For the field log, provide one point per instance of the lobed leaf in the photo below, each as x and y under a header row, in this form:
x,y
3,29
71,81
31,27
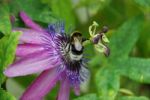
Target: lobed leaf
x,y
107,83
8,46
124,39
137,69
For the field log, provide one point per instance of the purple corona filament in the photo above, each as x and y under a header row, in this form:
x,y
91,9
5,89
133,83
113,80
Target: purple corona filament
x,y
45,51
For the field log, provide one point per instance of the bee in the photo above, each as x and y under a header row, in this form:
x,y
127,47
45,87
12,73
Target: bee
x,y
76,46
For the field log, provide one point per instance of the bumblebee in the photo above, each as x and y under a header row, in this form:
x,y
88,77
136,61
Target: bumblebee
x,y
76,46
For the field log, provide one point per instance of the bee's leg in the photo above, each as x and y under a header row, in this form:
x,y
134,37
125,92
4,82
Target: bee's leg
x,y
84,39
29,23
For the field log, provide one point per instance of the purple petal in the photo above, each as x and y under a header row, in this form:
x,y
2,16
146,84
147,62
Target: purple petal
x,y
77,90
28,21
42,85
64,91
33,63
26,49
30,36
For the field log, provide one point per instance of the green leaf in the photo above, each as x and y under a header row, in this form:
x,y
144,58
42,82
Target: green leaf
x,y
132,98
97,5
8,46
143,44
93,6
107,83
87,97
1,35
52,95
5,25
63,10
25,81
34,8
143,3
123,40
137,69
5,95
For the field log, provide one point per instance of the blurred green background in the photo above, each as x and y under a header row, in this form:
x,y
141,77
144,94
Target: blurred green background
x,y
124,75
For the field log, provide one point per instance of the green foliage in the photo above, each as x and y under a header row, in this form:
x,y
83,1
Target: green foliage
x,y
34,8
123,40
5,26
121,43
107,84
144,3
62,9
88,97
93,6
129,43
144,39
7,51
136,68
5,95
132,98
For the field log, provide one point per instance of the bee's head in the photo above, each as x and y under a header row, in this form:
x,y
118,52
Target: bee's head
x,y
76,42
